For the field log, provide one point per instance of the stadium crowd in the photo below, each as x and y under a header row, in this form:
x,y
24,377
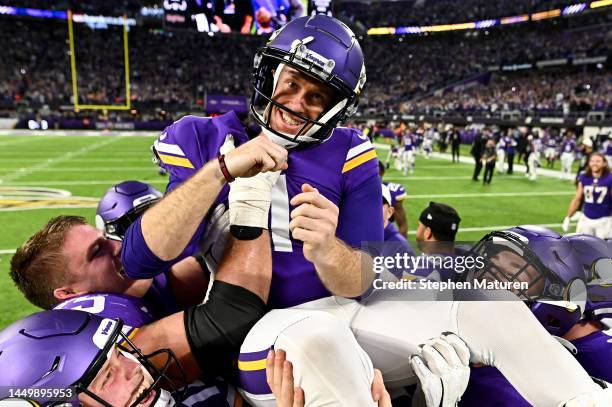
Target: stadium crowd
x,y
404,71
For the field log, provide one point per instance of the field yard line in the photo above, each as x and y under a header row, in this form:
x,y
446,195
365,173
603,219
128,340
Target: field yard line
x,y
18,141
7,251
470,160
492,194
424,178
86,169
18,209
51,161
495,227
96,182
82,160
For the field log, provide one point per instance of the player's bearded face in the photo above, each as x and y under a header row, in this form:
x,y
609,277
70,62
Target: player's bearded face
x,y
596,163
302,94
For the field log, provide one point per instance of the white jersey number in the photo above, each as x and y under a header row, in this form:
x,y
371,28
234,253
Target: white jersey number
x,y
590,191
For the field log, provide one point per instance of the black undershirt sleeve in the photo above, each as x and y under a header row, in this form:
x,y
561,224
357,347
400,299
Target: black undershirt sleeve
x,y
217,328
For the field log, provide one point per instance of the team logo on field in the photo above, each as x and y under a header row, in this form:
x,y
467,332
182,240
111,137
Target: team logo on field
x,y
27,198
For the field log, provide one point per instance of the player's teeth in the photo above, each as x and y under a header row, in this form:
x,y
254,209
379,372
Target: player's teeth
x,y
288,120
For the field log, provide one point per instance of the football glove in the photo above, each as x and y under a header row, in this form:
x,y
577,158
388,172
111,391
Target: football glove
x,y
566,224
443,370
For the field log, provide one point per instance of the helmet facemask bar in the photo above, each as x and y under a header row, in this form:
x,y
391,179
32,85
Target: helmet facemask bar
x,y
267,60
116,229
124,344
508,259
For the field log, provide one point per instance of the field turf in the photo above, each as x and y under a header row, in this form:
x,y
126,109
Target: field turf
x,y
45,176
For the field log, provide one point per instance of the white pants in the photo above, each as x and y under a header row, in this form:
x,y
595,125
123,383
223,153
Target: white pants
x,y
504,334
533,167
599,227
408,160
501,160
567,159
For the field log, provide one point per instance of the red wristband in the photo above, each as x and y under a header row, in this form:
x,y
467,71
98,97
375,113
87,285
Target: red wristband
x,y
224,170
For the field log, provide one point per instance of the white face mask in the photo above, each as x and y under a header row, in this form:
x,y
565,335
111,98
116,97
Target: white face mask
x,y
164,398
306,137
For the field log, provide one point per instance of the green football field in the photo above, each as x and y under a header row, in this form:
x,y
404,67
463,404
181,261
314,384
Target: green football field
x,y
45,176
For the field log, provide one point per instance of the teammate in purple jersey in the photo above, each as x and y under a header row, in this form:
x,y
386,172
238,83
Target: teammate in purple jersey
x,y
594,189
135,313
291,75
398,195
581,330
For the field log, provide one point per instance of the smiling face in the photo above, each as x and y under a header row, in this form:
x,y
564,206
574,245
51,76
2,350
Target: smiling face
x,y
510,266
119,382
303,95
95,265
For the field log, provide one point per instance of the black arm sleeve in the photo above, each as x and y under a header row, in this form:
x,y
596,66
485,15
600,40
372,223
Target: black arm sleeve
x,y
217,328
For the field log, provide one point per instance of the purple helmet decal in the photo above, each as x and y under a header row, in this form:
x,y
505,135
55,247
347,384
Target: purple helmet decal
x,y
322,48
67,348
122,204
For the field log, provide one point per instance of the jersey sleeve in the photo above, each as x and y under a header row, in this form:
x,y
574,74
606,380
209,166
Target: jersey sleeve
x,y
140,262
360,217
189,143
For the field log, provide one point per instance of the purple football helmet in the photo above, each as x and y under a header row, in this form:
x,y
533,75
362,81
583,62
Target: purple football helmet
x,y
543,259
122,204
326,50
67,348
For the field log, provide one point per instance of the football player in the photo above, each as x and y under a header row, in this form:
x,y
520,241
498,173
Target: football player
x,y
594,186
568,149
398,195
309,76
557,269
408,151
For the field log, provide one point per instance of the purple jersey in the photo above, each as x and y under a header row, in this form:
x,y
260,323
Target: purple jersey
x,y
398,193
509,144
596,191
343,168
408,142
134,312
568,146
183,148
489,388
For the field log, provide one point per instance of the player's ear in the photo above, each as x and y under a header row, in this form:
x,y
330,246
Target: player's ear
x,y
66,292
428,233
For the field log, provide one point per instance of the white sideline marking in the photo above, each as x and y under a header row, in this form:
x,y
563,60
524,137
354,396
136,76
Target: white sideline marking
x,y
492,194
520,168
496,227
7,251
97,182
424,178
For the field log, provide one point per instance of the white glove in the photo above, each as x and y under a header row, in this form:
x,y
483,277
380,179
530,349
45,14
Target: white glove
x,y
566,224
249,199
443,370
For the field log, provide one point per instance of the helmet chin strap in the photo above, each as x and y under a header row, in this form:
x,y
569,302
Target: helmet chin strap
x,y
306,137
163,398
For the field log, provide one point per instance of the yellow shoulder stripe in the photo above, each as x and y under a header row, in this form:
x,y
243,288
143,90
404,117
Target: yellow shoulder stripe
x,y
252,365
177,161
357,161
